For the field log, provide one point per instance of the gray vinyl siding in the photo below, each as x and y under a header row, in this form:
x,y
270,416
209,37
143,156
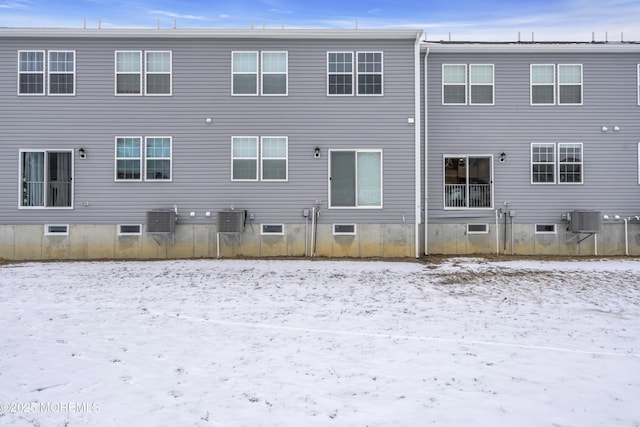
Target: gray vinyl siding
x,y
201,176
610,160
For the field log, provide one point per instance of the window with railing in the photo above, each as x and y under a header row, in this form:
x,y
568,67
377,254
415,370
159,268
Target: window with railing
x,y
46,179
467,182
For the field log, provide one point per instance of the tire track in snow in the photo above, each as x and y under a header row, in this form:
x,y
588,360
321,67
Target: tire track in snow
x,y
393,336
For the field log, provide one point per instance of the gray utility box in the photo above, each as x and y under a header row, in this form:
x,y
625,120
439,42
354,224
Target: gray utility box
x,y
161,221
586,221
231,221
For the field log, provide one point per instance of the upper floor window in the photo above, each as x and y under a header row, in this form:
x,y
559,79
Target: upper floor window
x,y
369,72
157,73
543,84
270,152
567,169
31,73
273,72
480,80
355,178
60,77
638,84
340,73
468,182
62,71
46,179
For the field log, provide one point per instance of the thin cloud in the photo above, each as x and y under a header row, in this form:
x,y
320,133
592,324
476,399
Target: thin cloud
x,y
14,5
179,15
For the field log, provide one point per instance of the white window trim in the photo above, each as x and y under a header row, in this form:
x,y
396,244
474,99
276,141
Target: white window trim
x,y
357,150
465,84
571,84
140,159
170,158
352,73
49,73
257,158
285,158
256,73
531,85
20,190
358,73
345,233
555,229
466,208
493,85
116,73
581,163
48,232
638,85
121,233
263,73
43,72
555,164
264,233
486,229
638,162
170,73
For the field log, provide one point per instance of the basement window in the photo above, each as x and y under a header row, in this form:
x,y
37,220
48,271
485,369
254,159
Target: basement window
x,y
56,230
344,229
129,229
545,229
272,229
477,228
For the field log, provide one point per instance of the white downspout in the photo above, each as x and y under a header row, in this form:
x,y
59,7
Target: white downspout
x,y
417,131
426,155
313,227
497,235
626,236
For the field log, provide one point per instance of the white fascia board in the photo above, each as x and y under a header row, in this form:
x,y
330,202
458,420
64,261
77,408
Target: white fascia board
x,y
537,47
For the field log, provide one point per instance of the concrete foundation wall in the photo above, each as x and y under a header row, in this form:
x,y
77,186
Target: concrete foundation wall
x,y
521,239
87,241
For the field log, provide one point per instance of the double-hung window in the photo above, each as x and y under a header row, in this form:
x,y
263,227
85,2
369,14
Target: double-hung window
x,y
543,84
543,163
156,69
561,163
62,71
340,73
479,85
369,73
61,75
31,72
355,178
157,159
158,73
244,71
265,158
272,69
46,179
468,182
274,73
129,73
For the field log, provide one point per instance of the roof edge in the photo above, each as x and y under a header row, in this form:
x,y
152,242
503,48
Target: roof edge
x,y
531,47
213,33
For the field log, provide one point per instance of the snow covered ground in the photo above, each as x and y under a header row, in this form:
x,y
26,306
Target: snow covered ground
x,y
465,342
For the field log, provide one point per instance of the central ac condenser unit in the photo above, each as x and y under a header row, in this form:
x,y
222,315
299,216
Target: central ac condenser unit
x,y
161,221
231,221
586,221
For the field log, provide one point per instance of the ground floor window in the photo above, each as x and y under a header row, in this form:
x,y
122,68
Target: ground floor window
x,y
355,178
46,179
467,182
565,167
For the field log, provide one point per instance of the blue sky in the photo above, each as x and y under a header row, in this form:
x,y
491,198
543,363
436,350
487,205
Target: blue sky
x,y
489,20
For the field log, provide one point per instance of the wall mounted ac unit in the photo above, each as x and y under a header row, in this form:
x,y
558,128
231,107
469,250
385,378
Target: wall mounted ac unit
x,y
161,221
231,221
586,221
